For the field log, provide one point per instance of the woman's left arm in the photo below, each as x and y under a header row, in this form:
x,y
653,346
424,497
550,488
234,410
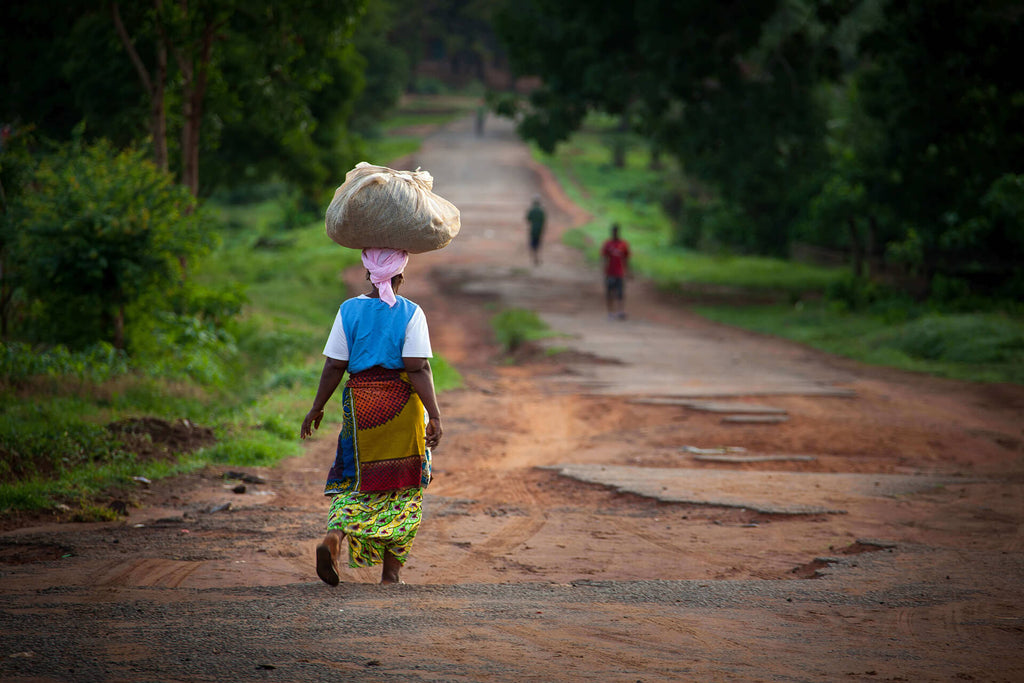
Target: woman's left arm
x,y
422,379
330,378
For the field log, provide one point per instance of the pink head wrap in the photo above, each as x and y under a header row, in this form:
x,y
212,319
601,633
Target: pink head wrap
x,y
383,265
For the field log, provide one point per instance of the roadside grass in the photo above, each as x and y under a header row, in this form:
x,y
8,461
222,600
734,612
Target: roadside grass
x,y
630,197
824,308
68,457
384,151
984,347
401,134
514,327
252,383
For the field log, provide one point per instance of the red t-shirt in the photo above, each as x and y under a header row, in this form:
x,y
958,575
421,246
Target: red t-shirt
x,y
615,254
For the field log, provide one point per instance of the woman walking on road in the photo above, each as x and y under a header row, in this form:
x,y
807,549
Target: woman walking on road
x,y
390,422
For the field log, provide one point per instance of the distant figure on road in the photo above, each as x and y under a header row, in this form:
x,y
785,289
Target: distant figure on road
x,y
478,126
536,217
615,255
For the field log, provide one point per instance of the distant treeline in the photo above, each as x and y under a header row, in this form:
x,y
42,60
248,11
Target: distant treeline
x,y
892,130
118,119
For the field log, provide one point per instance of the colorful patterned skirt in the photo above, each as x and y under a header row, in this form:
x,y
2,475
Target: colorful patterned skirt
x,y
380,468
377,522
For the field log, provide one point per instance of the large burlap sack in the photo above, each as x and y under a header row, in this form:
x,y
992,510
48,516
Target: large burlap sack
x,y
378,206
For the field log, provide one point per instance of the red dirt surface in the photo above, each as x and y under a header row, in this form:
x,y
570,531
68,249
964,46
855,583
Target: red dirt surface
x,y
521,574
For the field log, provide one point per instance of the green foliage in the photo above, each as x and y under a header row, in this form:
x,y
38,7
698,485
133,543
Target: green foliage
x,y
296,211
30,494
513,327
880,128
937,83
446,377
853,293
967,338
631,196
711,225
203,352
285,85
235,348
252,450
274,82
20,362
102,230
732,98
976,347
386,150
387,69
45,441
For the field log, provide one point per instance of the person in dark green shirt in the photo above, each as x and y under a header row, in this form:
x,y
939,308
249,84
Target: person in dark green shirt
x,y
535,217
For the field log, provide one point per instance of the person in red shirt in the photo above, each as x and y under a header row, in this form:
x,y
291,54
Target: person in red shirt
x,y
615,255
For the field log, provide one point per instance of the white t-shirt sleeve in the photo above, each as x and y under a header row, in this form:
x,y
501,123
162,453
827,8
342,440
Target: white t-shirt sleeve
x,y
417,337
337,344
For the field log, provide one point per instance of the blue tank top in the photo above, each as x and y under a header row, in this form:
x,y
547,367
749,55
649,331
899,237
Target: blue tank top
x,y
375,332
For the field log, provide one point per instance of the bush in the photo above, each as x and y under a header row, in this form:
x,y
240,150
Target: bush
x,y
43,441
102,230
200,350
20,362
969,338
253,450
515,326
853,293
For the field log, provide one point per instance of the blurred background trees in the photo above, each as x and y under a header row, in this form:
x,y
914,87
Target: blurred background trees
x,y
887,131
884,128
109,108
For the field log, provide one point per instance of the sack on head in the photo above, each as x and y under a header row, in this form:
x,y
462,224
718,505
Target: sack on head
x,y
378,206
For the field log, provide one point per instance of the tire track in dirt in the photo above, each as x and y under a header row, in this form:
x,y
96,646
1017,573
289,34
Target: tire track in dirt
x,y
492,519
145,573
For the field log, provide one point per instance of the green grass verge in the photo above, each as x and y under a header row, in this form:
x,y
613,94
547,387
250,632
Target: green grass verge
x,y
630,197
813,305
513,327
401,134
980,347
253,384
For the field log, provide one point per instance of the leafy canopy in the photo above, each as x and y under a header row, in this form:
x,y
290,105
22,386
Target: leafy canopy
x,y
103,229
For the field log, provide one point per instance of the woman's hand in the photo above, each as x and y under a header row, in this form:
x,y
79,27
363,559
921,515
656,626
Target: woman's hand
x,y
311,422
434,432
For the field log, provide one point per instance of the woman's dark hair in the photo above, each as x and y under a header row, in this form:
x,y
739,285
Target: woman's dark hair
x,y
396,281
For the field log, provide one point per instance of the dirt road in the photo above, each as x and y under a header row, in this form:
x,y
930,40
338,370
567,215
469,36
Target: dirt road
x,y
656,499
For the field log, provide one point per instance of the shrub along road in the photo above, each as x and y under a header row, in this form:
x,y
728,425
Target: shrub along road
x,y
660,498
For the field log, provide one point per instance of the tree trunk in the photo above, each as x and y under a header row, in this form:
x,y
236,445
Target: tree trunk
x,y
855,250
154,85
5,295
157,111
619,146
874,264
655,163
193,92
119,328
5,285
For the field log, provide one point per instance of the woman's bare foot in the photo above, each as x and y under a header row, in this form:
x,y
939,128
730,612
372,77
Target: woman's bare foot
x,y
327,558
392,568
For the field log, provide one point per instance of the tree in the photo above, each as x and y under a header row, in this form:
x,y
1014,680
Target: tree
x,y
260,80
16,166
282,56
942,82
387,66
101,230
731,93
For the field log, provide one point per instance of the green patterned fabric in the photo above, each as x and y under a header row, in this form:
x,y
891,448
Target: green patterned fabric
x,y
377,521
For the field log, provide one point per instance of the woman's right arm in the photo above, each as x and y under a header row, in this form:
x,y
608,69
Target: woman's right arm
x,y
330,378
